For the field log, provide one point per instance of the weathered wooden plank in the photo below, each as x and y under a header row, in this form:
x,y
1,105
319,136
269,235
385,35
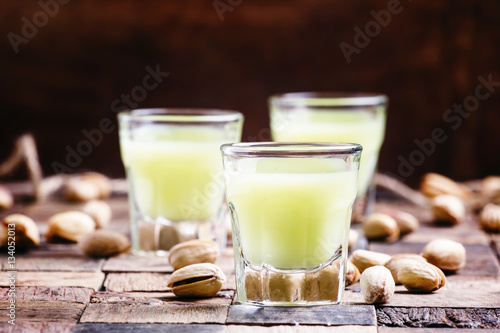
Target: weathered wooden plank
x,y
153,328
49,294
61,312
481,260
148,282
159,298
463,233
53,261
300,329
28,327
136,282
386,329
443,298
321,315
91,280
133,263
439,317
119,313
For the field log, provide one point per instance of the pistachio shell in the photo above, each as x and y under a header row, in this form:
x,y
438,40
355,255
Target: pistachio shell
x,y
363,259
378,226
396,260
6,198
26,231
197,280
87,186
448,208
420,276
69,225
193,252
445,254
490,218
434,184
352,274
103,243
406,222
377,285
99,211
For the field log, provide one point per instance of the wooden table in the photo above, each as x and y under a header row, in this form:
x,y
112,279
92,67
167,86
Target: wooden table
x,y
58,289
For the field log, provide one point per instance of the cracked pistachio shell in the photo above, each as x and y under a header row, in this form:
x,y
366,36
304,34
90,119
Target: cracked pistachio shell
x,y
197,280
193,252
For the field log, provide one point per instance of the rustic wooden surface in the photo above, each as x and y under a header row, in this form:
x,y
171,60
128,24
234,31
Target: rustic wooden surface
x,y
58,289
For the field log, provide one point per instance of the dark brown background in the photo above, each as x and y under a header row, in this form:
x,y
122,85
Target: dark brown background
x,y
429,57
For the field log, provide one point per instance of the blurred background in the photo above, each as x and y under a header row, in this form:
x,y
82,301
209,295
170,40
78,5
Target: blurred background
x,y
68,66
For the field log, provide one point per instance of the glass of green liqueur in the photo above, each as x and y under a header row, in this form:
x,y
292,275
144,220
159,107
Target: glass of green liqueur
x,y
173,166
290,206
334,117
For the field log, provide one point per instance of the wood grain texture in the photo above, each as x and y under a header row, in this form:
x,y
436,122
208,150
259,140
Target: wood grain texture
x,y
136,282
61,312
30,327
119,313
49,294
92,280
300,329
386,329
153,328
443,298
320,315
134,263
50,261
439,317
159,298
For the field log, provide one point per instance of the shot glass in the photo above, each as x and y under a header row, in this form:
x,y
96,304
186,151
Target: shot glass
x,y
175,176
335,117
290,206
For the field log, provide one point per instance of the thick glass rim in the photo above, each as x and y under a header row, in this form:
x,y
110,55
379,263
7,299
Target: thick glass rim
x,y
328,99
187,115
290,149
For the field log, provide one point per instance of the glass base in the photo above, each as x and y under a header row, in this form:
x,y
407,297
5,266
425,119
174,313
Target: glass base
x,y
269,287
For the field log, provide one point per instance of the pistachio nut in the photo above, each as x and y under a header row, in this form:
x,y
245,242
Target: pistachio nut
x,y
6,198
434,184
445,254
22,228
448,209
395,263
253,285
69,226
379,226
103,243
197,280
490,218
352,274
377,285
193,252
490,187
87,186
99,211
419,276
363,259
406,222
